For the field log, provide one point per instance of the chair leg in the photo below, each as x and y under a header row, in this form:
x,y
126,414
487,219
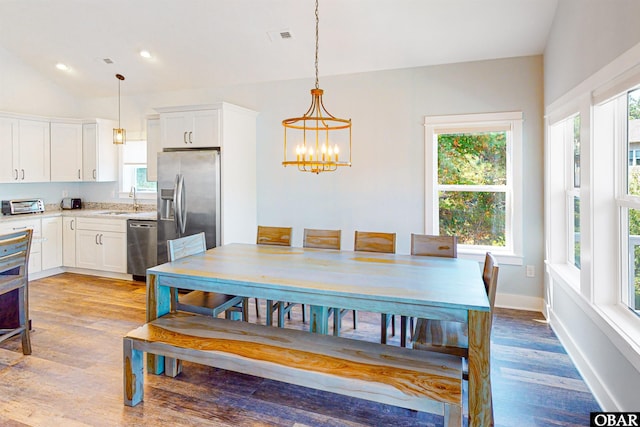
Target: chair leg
x,y
257,308
355,320
383,329
403,331
23,314
304,320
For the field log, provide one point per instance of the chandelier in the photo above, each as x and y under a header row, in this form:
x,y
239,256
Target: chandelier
x,y
119,134
320,142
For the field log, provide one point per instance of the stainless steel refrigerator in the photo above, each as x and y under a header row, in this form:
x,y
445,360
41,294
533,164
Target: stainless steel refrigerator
x,y
188,196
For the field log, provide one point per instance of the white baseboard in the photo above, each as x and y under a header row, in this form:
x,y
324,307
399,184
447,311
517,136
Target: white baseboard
x,y
519,302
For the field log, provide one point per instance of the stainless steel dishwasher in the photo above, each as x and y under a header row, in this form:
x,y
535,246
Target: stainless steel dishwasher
x,y
142,239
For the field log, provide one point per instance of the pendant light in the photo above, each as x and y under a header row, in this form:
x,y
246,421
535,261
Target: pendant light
x,y
319,141
119,134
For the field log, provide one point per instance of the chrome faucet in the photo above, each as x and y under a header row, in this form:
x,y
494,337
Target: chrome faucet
x,y
132,194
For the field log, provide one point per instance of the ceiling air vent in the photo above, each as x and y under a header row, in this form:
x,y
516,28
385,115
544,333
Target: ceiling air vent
x,y
108,61
278,35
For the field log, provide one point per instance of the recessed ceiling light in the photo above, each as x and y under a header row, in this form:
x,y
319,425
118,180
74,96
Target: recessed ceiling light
x,y
145,54
62,67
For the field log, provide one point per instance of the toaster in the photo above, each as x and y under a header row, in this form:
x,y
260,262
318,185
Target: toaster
x,y
71,203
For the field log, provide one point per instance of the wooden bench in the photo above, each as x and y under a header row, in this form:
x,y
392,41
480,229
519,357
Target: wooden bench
x,y
429,382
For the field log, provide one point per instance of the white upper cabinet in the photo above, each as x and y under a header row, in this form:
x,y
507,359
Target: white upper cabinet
x,y
190,129
33,154
8,144
25,149
99,153
66,152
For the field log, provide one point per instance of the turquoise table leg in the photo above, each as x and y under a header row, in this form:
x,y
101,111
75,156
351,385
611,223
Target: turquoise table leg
x,y
319,319
158,304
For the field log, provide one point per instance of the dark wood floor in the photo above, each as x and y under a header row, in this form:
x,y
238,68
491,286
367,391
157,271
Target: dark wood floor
x,y
74,376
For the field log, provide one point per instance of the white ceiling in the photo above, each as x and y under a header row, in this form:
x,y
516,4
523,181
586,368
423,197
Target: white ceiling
x,y
214,43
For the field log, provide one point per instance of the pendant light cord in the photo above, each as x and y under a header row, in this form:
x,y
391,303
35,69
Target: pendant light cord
x,y
317,24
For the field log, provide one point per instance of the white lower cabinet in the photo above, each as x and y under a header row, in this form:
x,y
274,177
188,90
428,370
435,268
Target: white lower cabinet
x,y
35,254
101,244
69,241
51,241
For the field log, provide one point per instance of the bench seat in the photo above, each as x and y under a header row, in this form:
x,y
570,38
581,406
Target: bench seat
x,y
417,380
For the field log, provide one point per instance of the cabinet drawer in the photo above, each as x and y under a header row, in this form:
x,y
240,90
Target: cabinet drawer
x,y
99,224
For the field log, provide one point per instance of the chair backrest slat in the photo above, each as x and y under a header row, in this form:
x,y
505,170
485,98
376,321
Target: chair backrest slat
x,y
490,277
321,239
280,236
430,245
367,241
185,246
14,251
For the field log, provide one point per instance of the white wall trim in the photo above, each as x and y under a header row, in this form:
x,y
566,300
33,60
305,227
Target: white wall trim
x,y
520,302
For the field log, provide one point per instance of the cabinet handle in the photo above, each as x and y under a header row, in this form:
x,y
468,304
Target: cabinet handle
x,y
78,173
97,239
19,228
16,174
22,174
101,238
184,137
94,174
71,224
190,135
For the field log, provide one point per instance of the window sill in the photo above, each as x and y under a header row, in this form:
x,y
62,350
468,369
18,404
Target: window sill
x,y
139,196
506,258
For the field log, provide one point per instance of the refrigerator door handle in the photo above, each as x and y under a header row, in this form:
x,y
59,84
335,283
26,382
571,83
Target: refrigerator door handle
x,y
176,205
183,206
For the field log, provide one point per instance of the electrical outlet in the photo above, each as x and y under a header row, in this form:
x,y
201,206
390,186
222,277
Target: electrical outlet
x,y
531,271
65,193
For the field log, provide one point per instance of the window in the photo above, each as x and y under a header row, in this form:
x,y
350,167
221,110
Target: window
x,y
572,138
630,211
134,168
472,190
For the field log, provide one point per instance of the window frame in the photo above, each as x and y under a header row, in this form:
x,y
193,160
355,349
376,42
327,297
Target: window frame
x,y
122,192
511,122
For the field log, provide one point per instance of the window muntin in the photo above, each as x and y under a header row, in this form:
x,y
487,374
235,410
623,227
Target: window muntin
x,y
572,136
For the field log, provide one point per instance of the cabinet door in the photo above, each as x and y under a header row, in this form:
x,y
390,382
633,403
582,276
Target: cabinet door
x,y
34,151
153,147
69,241
8,147
51,242
175,128
205,129
89,152
89,252
114,251
66,152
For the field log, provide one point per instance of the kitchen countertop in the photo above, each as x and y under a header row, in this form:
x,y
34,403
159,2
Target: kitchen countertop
x,y
88,213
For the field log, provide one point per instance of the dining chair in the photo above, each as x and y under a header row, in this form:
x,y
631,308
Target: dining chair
x,y
427,245
278,236
328,239
14,263
199,302
367,241
451,337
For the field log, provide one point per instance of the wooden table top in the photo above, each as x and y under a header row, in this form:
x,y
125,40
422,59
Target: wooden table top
x,y
327,275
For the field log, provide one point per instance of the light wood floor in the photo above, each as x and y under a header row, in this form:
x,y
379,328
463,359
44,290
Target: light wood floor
x,y
74,376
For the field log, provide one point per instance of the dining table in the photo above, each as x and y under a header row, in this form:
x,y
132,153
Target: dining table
x,y
417,286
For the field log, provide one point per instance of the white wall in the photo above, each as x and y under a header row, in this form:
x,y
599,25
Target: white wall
x,y
586,35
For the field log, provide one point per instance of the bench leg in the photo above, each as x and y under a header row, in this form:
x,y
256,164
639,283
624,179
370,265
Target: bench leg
x,y
133,371
453,415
